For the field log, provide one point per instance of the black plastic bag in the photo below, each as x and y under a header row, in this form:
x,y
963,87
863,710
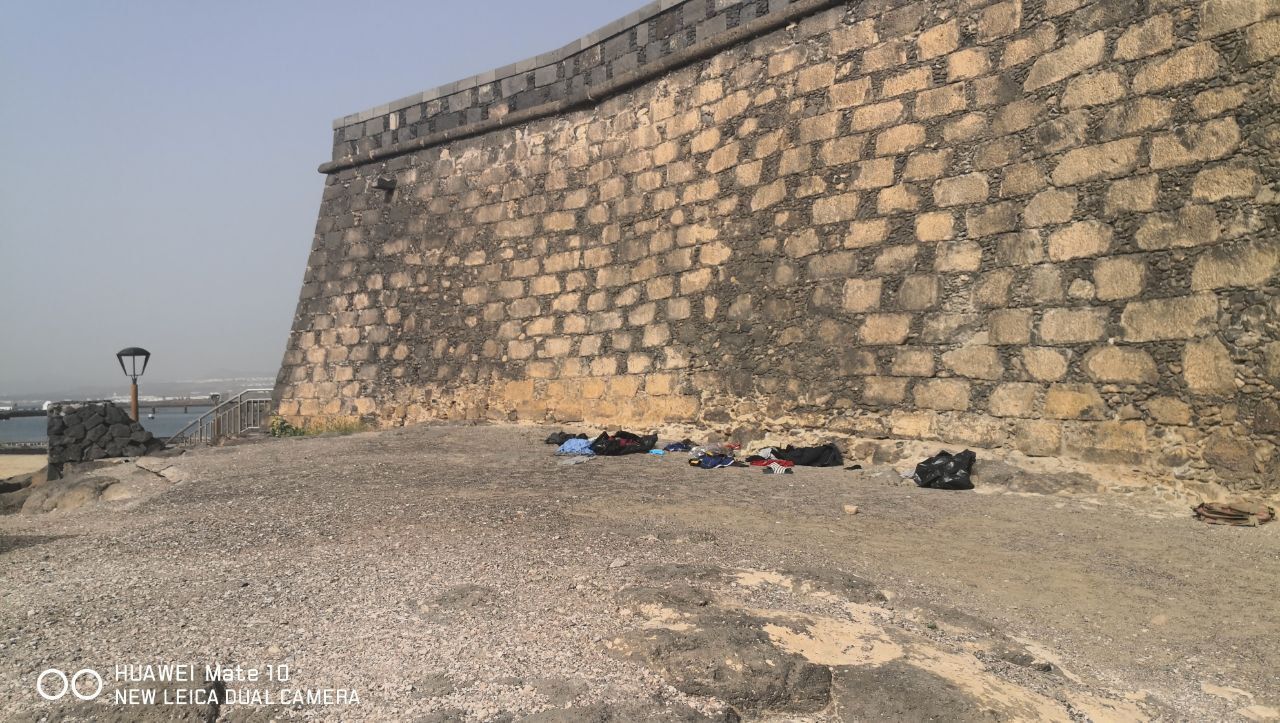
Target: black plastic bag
x,y
945,471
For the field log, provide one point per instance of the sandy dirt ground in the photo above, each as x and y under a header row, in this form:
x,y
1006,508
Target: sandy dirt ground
x,y
16,464
451,573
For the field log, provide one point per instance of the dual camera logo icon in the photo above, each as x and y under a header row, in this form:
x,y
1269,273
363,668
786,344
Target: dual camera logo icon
x,y
56,680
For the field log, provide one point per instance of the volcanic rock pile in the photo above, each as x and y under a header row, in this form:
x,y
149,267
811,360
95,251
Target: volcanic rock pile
x,y
89,431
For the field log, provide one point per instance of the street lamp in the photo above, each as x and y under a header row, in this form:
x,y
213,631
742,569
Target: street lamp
x,y
132,371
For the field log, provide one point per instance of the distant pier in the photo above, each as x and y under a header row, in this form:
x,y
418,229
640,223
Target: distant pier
x,y
151,405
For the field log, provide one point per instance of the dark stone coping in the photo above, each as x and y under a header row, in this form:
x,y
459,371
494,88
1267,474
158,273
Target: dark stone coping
x,y
653,40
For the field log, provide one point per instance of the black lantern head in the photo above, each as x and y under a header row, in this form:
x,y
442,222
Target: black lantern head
x,y
133,353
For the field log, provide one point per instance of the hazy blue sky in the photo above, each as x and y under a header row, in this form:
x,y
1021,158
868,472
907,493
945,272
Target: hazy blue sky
x,y
157,163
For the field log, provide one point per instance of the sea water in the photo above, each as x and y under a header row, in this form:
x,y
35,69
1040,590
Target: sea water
x,y
168,421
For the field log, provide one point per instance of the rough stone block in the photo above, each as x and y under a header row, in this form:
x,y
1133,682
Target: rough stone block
x,y
1207,368
886,55
1263,41
1098,88
815,77
1073,326
1107,160
1196,144
958,256
924,165
1188,226
1074,401
879,115
961,190
1111,442
884,390
899,139
1181,317
866,233
876,173
1038,438
908,81
938,40
1023,49
1009,326
897,199
768,195
1079,240
880,329
1120,277
1249,264
1045,364
999,20
974,362
896,259
1050,207
912,362
1168,410
1067,61
935,226
850,94
1188,65
1120,364
1135,117
942,394
1216,101
1223,182
1132,194
940,101
1151,36
805,243
1014,399
918,292
991,220
835,208
968,63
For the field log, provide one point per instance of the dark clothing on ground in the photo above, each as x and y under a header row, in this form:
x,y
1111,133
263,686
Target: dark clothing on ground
x,y
827,455
623,443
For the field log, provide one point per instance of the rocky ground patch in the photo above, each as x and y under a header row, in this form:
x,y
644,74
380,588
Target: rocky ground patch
x,y
452,573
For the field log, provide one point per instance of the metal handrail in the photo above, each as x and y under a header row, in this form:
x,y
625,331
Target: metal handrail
x,y
245,412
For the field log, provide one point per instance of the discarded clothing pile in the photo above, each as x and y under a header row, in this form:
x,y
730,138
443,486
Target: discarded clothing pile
x,y
945,471
560,438
714,456
576,446
623,443
714,461
681,446
826,455
1240,514
758,461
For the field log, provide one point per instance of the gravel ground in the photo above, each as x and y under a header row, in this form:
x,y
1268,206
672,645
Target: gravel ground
x,y
462,573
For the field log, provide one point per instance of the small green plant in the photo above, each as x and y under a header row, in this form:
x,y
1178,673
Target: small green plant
x,y
280,427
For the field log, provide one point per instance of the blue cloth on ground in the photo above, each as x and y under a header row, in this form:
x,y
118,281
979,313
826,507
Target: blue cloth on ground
x,y
576,446
712,461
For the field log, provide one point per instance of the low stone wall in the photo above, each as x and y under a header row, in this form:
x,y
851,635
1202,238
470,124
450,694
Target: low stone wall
x,y
83,432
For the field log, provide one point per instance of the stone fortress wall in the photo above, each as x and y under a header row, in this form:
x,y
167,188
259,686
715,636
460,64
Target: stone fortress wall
x,y
1044,225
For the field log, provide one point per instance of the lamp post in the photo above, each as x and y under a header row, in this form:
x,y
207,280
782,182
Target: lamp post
x,y
132,371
